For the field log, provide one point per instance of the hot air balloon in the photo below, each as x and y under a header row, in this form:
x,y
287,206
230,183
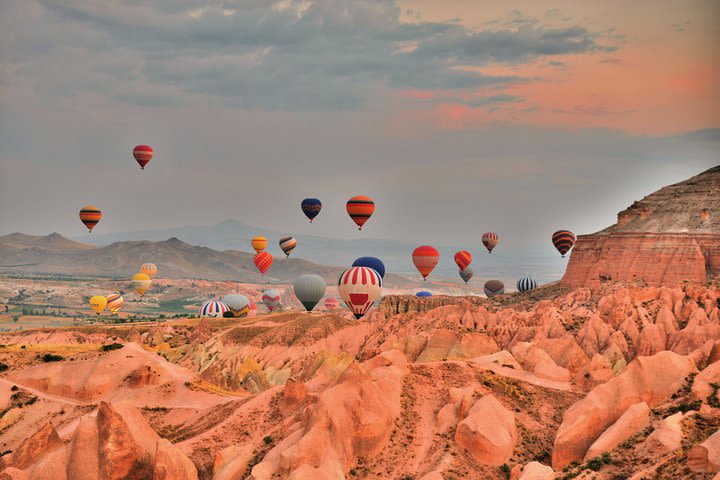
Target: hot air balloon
x,y
331,303
287,245
311,207
259,243
467,274
371,262
360,208
114,302
309,289
238,305
141,282
563,241
212,309
525,284
490,239
263,260
494,287
423,294
253,309
463,258
359,287
143,154
149,269
271,299
98,303
90,216
425,258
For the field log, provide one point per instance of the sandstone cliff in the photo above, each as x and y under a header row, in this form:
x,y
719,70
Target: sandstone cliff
x,y
670,237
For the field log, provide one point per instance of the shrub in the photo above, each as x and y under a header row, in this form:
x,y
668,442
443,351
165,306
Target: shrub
x,y
595,464
3,367
505,470
268,440
51,357
111,346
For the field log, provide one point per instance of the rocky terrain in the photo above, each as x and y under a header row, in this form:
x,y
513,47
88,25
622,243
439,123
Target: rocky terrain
x,y
668,238
616,382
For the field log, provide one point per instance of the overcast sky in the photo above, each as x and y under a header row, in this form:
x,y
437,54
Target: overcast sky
x,y
457,117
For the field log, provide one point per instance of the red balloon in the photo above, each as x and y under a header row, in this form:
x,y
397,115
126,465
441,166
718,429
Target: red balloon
x,y
263,260
463,258
143,154
425,258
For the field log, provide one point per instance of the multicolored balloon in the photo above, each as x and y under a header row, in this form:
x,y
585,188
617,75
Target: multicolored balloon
x,y
423,294
360,209
263,260
114,302
525,284
141,283
463,258
287,245
212,309
259,243
149,269
238,305
331,303
309,289
253,310
563,241
490,239
371,262
143,154
311,207
467,274
425,258
90,216
98,303
271,299
359,287
494,287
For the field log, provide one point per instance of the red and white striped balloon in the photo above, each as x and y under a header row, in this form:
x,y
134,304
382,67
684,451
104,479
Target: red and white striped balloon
x,y
359,287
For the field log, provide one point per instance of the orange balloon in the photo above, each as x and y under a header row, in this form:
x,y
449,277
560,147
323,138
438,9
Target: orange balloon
x,y
263,260
360,208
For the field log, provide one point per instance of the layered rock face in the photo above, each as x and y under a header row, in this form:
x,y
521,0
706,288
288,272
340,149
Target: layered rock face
x,y
669,237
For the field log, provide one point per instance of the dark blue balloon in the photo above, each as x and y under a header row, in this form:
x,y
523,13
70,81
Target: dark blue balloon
x,y
371,262
423,294
311,207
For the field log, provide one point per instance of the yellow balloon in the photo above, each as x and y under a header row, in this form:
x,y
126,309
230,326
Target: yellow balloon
x,y
97,303
259,243
149,269
141,282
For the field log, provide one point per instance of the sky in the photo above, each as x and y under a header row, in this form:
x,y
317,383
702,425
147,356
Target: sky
x,y
456,117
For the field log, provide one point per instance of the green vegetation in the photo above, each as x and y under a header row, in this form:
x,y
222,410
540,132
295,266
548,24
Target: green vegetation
x,y
111,346
504,470
268,440
3,367
50,357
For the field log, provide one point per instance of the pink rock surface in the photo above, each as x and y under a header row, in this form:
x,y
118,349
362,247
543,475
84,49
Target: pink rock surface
x,y
488,432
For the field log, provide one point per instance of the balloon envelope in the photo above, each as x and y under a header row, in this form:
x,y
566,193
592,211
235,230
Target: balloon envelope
x,y
212,309
263,260
309,289
525,284
141,282
331,303
311,207
425,258
271,299
359,287
287,245
490,239
149,269
360,209
563,241
423,294
143,154
253,309
467,274
90,216
494,287
371,262
98,303
237,304
463,258
259,243
114,302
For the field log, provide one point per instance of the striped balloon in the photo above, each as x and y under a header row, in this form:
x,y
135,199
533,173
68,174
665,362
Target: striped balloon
x,y
287,245
360,209
149,269
114,302
423,294
525,284
490,239
463,258
237,304
331,303
90,216
467,274
309,289
143,154
212,309
563,241
259,243
271,299
359,287
311,207
494,287
263,260
425,258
